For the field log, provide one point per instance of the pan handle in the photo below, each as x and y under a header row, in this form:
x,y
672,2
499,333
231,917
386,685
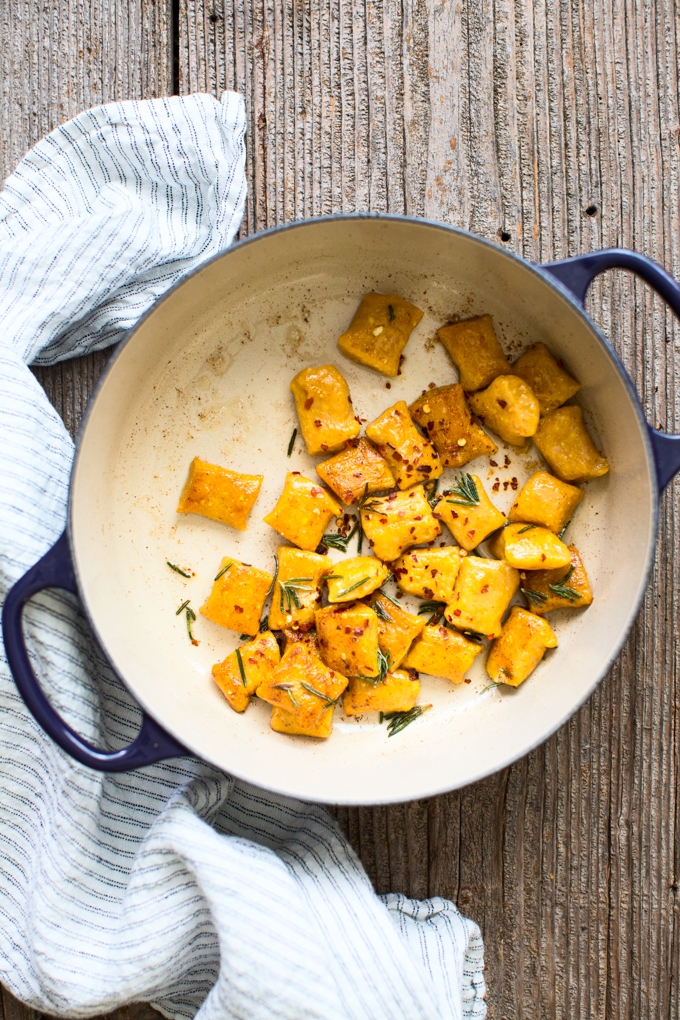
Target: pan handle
x,y
576,275
152,743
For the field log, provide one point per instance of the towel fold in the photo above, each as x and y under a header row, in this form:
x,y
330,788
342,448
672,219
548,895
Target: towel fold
x,y
174,884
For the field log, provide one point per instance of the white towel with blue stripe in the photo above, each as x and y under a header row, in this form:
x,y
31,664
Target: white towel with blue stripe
x,y
175,884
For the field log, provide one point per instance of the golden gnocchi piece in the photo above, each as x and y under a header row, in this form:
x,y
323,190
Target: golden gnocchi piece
x,y
484,590
302,512
550,383
379,331
348,639
546,500
508,407
475,349
565,442
297,590
546,590
303,686
410,456
520,647
442,652
238,596
357,470
445,417
396,522
397,629
428,573
397,693
324,409
307,637
248,666
530,547
222,495
356,578
285,722
468,512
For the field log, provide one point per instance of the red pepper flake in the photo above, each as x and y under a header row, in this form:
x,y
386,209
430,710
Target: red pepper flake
x,y
324,447
454,514
359,631
507,461
388,385
428,592
418,518
542,557
471,534
316,492
194,641
502,403
317,422
237,609
467,680
493,463
495,487
431,385
514,483
412,529
348,630
484,590
392,495
434,571
442,631
397,456
505,485
383,520
425,468
430,425
308,403
456,612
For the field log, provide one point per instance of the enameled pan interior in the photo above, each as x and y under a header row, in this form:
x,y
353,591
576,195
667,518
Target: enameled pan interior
x,y
207,372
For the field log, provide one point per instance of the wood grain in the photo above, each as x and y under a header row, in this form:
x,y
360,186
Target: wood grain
x,y
554,125
551,124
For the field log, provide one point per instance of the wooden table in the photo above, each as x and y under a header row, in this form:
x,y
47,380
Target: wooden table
x,y
551,127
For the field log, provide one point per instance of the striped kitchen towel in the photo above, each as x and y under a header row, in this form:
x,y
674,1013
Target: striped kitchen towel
x,y
174,884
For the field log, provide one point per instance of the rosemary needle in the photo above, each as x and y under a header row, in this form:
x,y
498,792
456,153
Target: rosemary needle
x,y
224,570
173,566
292,442
240,667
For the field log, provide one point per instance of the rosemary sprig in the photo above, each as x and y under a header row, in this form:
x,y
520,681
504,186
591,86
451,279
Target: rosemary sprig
x,y
400,720
432,488
183,606
474,635
562,591
527,528
466,490
240,667
383,669
293,699
561,534
537,597
173,566
434,607
224,570
391,311
319,694
339,542
292,442
371,504
381,612
270,589
352,587
288,592
264,624
381,591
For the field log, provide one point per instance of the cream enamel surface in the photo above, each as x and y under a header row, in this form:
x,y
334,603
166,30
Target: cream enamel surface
x,y
207,373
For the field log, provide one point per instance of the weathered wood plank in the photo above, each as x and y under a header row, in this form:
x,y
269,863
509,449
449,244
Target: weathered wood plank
x,y
57,59
551,126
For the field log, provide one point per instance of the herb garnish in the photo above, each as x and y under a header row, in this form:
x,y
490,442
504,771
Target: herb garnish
x,y
264,624
489,686
224,570
381,591
288,591
339,542
191,616
537,597
270,589
562,591
561,534
432,487
292,442
352,587
391,311
474,635
466,490
319,694
173,566
240,667
399,720
527,528
288,688
381,612
432,606
383,669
